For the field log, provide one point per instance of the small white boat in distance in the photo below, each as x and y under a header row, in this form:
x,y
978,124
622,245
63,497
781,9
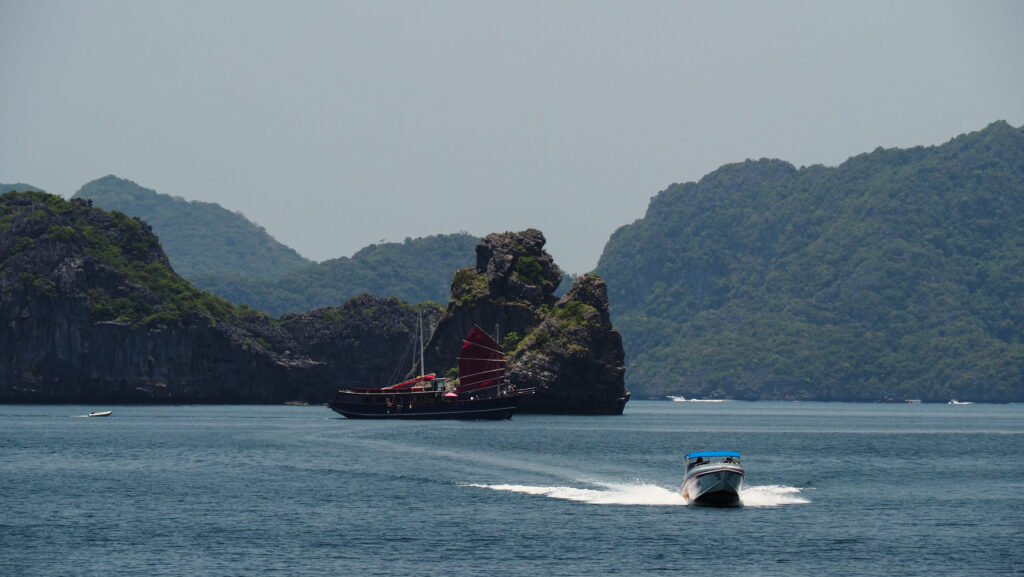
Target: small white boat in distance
x,y
681,399
100,414
713,478
956,402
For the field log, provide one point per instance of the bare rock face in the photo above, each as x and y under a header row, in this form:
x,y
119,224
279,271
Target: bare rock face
x,y
367,342
503,294
565,348
517,267
90,311
574,358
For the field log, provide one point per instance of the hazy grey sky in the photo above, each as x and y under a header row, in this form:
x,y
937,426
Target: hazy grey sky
x,y
338,124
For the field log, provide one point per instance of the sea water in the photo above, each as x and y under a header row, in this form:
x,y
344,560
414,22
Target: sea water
x,y
831,489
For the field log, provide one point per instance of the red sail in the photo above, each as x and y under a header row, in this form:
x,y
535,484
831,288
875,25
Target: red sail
x,y
482,362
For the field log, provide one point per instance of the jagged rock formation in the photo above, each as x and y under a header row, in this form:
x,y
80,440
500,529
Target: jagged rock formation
x,y
503,294
90,311
574,358
565,348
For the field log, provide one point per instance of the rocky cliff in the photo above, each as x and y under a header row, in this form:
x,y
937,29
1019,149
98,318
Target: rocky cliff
x,y
565,348
574,358
367,342
92,312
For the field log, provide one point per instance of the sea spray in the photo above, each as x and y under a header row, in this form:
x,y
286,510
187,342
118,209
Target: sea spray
x,y
771,496
647,494
610,494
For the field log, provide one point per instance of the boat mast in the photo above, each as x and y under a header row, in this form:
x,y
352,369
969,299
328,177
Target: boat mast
x,y
422,371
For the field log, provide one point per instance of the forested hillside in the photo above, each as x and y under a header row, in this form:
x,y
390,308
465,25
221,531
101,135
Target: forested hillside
x,y
416,270
222,252
19,187
898,274
92,312
200,238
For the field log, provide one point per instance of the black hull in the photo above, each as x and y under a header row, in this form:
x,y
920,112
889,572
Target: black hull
x,y
424,406
719,499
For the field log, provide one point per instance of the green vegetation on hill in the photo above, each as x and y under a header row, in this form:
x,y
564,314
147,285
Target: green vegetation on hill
x,y
222,252
18,187
896,275
200,238
40,233
416,270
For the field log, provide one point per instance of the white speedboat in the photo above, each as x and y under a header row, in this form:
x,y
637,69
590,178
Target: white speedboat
x,y
100,414
713,478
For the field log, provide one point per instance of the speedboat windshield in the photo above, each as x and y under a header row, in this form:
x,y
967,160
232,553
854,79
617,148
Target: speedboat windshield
x,y
707,457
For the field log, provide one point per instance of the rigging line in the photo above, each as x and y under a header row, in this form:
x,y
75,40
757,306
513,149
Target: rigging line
x,y
498,350
484,372
423,370
406,353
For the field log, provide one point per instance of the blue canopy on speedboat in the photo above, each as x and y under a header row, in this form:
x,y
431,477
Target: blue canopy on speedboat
x,y
713,454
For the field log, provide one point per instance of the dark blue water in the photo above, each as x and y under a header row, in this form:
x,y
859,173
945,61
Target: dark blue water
x,y
832,489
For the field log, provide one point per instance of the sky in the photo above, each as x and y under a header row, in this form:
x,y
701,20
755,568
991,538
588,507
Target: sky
x,y
339,124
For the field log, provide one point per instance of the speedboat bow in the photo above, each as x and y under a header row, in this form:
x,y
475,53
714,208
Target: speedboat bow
x,y
713,478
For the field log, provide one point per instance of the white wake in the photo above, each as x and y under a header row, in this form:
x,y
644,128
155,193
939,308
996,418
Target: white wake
x,y
650,495
771,496
640,494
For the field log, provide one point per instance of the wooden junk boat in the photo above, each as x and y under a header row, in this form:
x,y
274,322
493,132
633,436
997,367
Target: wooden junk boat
x,y
481,393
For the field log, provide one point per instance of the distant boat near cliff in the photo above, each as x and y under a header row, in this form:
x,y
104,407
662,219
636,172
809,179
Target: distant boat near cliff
x,y
681,399
98,414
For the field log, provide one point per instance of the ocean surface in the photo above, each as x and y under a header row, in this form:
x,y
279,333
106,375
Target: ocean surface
x,y
831,489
